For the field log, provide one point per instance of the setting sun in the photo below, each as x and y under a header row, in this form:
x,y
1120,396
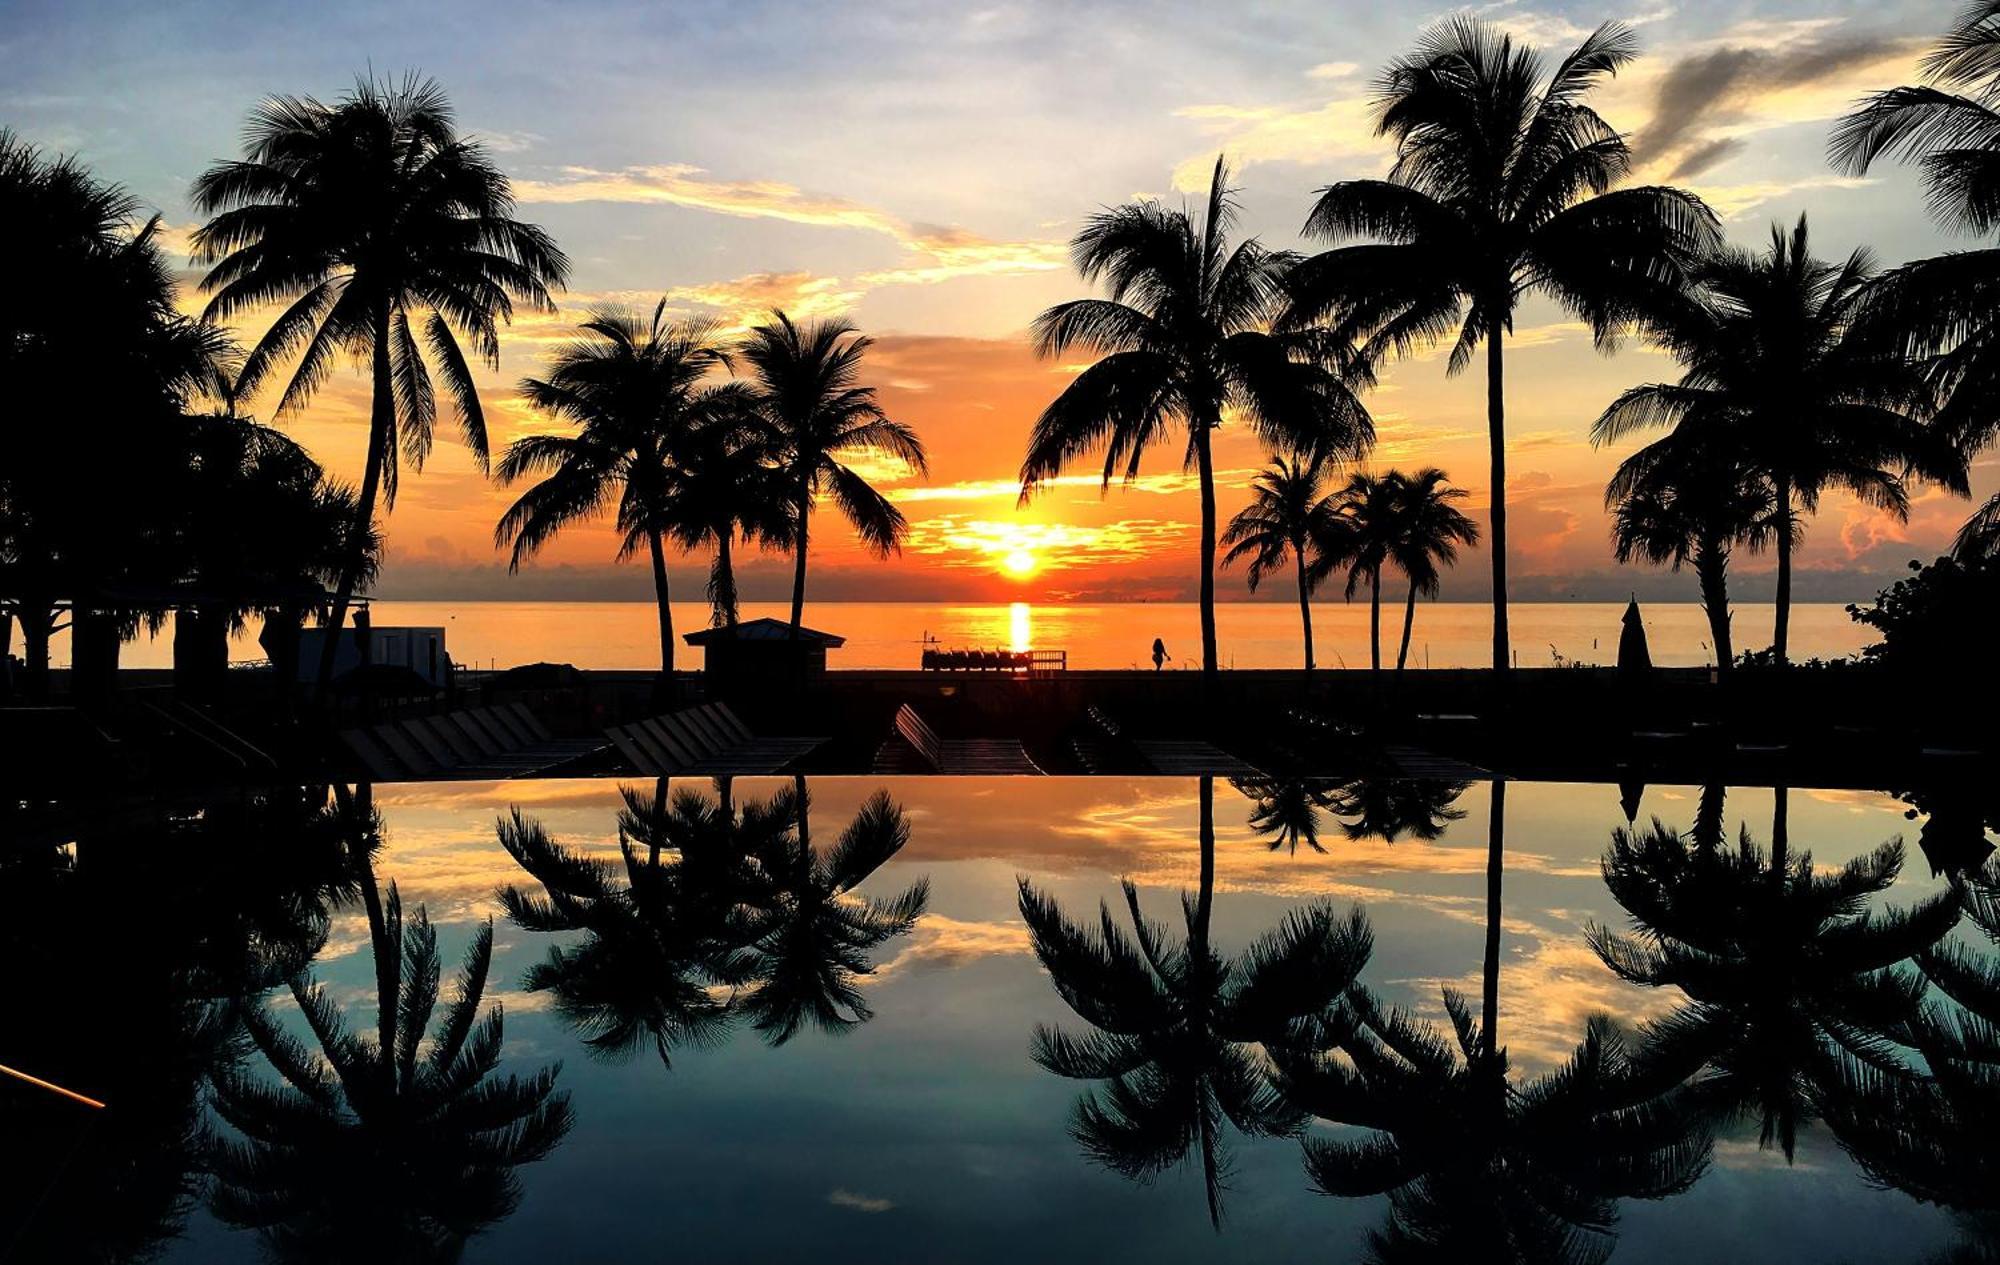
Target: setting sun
x,y
1019,563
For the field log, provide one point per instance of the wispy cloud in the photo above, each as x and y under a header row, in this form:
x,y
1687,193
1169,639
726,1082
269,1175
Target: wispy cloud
x,y
954,540
840,1198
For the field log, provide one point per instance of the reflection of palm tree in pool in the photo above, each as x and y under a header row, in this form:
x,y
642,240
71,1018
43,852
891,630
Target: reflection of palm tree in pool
x,y
1477,1167
1789,972
399,1144
173,918
1398,808
714,911
1288,811
1175,1028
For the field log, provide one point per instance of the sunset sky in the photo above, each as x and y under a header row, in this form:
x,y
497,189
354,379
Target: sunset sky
x,y
918,168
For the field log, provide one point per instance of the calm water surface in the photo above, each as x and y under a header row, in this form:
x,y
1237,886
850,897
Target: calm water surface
x,y
926,1131
1251,635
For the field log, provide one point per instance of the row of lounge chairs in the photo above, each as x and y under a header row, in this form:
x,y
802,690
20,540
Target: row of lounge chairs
x,y
709,739
1105,746
914,747
483,742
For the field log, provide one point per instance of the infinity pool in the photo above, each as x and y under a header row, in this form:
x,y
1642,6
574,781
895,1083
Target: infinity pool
x,y
833,1055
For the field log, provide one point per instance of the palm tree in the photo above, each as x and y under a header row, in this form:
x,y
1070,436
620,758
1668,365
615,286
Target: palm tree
x,y
721,488
1941,309
1176,1028
637,393
1677,503
1475,1166
1501,189
83,510
1291,518
1371,507
1429,531
398,1145
1787,972
1181,338
807,383
1780,379
371,217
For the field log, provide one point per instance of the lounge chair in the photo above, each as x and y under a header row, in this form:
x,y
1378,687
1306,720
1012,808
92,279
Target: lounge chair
x,y
705,741
914,747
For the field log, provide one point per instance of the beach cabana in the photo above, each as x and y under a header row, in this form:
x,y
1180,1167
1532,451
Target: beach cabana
x,y
763,649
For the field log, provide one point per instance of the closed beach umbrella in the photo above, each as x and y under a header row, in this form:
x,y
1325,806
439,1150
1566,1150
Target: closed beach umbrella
x,y
1630,793
1634,658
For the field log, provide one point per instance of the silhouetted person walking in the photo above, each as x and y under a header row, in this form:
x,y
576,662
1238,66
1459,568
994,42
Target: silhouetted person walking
x,y
1159,654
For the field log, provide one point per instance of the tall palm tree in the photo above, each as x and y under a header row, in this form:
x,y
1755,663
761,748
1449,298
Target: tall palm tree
x,y
1176,1028
1429,530
399,1143
1371,508
722,488
371,217
1942,308
1290,518
1182,337
1788,972
636,392
1502,188
1678,503
1780,377
807,381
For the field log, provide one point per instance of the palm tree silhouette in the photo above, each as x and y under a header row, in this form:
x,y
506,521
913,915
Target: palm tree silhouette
x,y
1181,337
1476,1166
371,216
806,379
1941,309
1392,808
1779,382
1370,509
1176,1028
1290,517
636,393
82,509
1787,971
1429,530
1286,810
1676,502
745,919
720,487
399,1144
1465,226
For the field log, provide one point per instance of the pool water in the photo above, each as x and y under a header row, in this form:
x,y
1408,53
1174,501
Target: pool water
x,y
832,1079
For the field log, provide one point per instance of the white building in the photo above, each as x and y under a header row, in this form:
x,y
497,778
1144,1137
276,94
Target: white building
x,y
421,650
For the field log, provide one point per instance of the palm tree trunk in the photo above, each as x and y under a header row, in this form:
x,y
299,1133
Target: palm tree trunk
x,y
1496,438
1496,861
1782,627
1781,832
38,626
799,562
1711,568
1207,468
1204,902
725,581
660,595
1305,603
382,420
1375,619
387,954
1409,620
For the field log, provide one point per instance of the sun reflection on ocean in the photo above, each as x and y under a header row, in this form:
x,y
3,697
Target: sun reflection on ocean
x,y
1021,626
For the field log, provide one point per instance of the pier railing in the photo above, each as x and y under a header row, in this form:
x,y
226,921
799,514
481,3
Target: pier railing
x,y
1016,662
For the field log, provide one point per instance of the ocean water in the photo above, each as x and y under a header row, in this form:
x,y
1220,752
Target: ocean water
x,y
1250,634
